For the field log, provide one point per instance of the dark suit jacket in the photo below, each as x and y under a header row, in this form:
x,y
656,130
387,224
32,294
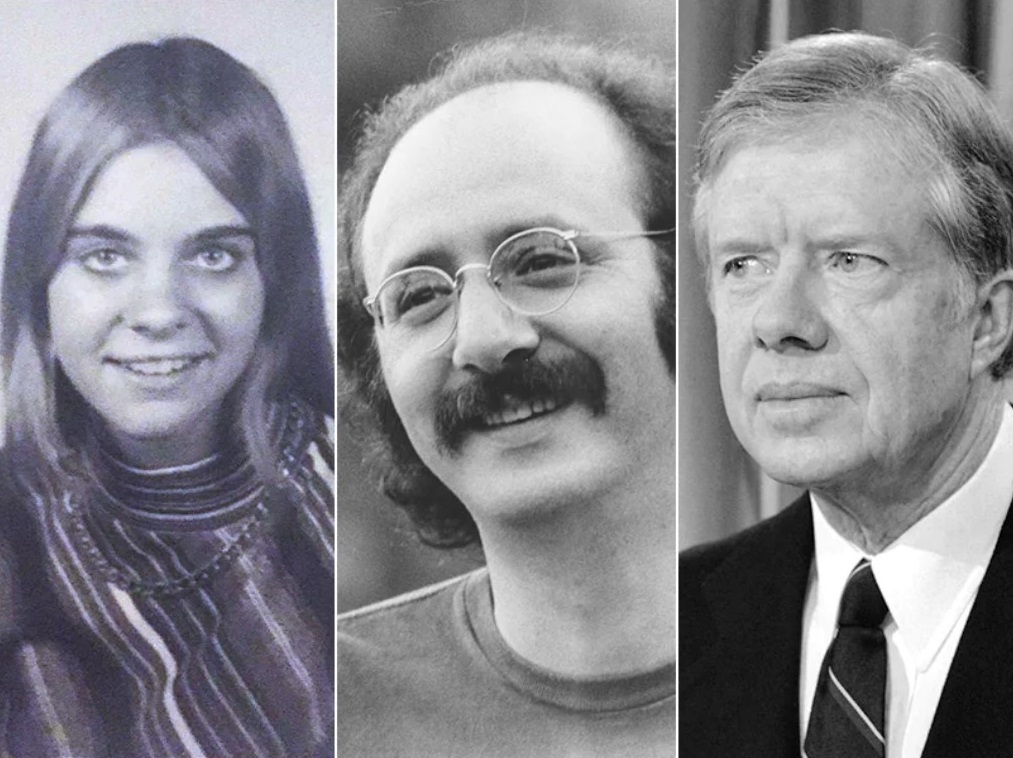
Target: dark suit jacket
x,y
740,638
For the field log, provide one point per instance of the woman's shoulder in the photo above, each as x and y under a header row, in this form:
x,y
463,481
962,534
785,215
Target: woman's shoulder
x,y
308,469
23,584
308,440
307,461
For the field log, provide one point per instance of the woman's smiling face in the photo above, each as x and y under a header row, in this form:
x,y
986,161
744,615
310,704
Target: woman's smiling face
x,y
156,308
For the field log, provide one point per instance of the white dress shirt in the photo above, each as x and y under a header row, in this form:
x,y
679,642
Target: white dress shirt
x,y
929,578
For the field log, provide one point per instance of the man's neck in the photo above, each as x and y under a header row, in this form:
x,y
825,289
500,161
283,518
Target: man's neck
x,y
873,517
591,592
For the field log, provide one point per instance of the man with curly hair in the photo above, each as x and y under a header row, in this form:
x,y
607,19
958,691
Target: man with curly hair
x,y
506,321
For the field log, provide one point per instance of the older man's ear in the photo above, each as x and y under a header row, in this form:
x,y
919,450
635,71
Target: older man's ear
x,y
994,328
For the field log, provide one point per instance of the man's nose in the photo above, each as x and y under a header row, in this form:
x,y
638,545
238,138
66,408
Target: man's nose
x,y
158,307
788,311
489,333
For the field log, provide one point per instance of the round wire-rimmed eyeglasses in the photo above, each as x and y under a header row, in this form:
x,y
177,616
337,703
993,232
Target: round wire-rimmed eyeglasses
x,y
534,272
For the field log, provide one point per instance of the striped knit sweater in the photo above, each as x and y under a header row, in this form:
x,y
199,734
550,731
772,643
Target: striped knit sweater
x,y
180,613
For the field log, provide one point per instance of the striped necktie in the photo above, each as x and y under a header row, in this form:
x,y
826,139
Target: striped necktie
x,y
847,714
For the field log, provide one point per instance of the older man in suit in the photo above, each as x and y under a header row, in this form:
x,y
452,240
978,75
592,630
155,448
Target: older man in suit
x,y
855,214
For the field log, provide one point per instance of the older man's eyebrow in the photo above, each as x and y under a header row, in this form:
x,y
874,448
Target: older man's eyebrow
x,y
879,244
738,246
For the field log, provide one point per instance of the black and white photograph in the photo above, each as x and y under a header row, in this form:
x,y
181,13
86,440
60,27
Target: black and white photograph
x,y
845,327
506,347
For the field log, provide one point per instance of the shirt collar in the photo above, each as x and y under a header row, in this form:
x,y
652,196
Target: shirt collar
x,y
932,572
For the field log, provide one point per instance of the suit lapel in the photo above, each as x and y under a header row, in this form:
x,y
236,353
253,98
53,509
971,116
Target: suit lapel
x,y
975,713
756,598
752,670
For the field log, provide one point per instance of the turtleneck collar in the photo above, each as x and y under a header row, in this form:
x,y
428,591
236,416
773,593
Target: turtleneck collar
x,y
199,495
178,494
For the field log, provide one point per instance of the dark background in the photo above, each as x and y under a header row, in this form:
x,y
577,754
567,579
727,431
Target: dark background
x,y
383,45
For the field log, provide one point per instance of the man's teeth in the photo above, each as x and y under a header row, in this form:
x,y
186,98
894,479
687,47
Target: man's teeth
x,y
159,367
519,412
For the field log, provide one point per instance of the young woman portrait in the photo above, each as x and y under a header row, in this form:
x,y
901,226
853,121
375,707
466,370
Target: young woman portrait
x,y
167,585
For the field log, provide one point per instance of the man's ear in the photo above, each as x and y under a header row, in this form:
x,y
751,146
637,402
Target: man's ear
x,y
994,328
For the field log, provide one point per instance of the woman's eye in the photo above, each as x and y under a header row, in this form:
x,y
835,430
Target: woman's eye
x,y
215,259
104,261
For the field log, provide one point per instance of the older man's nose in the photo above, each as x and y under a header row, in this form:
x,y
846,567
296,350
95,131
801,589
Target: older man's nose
x,y
787,314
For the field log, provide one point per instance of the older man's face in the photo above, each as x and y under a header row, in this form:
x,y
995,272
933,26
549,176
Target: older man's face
x,y
488,164
845,360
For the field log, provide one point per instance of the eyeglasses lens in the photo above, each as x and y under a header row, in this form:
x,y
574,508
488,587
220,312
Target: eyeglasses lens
x,y
534,273
415,298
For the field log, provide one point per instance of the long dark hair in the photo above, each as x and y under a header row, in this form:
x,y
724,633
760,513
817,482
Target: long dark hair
x,y
189,93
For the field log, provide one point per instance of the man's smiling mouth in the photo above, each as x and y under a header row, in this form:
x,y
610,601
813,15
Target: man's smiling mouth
x,y
519,394
518,411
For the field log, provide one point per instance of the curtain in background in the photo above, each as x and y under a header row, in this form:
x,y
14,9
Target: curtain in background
x,y
717,484
720,489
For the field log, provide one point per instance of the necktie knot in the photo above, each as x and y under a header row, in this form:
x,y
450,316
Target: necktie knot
x,y
862,603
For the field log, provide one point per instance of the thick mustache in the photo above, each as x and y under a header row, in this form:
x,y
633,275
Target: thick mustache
x,y
573,378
